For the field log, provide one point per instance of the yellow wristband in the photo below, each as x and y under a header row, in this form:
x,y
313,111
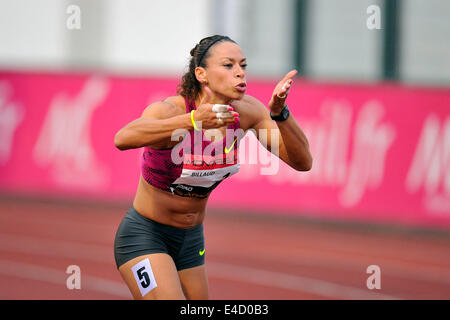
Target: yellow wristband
x,y
193,122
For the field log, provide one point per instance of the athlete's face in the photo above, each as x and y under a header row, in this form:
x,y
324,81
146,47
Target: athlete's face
x,y
225,71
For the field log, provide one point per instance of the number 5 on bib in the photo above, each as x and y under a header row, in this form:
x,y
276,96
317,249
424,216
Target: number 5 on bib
x,y
144,276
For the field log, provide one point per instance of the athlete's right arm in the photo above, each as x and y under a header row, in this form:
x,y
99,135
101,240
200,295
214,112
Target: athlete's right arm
x,y
154,127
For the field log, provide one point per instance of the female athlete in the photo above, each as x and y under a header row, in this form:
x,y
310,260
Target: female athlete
x,y
159,245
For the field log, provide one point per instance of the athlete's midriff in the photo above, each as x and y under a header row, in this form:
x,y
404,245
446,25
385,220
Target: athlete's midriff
x,y
163,207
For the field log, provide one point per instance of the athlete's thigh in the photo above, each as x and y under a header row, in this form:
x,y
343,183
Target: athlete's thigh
x,y
152,276
194,282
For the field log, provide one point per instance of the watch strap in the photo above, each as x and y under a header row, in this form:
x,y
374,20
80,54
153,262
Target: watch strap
x,y
284,115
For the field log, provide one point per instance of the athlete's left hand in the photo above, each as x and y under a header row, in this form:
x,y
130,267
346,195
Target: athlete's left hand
x,y
279,96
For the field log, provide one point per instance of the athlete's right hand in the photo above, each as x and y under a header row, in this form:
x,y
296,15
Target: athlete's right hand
x,y
214,116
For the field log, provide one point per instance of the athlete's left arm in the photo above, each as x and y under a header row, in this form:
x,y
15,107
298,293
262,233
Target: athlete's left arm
x,y
293,144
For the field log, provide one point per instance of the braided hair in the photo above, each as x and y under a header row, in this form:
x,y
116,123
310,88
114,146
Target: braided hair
x,y
190,87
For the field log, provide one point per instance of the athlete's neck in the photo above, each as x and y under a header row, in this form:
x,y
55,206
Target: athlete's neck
x,y
215,99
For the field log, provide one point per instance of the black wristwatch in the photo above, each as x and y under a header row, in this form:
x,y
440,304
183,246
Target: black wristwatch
x,y
282,116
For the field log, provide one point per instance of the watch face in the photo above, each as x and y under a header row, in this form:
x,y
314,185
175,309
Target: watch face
x,y
282,116
285,113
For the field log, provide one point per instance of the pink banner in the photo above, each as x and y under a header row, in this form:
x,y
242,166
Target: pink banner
x,y
381,152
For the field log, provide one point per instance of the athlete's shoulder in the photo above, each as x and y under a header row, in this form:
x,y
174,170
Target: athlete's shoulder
x,y
177,101
251,105
250,110
166,108
248,103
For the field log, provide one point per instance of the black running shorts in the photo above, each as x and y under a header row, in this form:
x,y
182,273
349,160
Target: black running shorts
x,y
138,235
